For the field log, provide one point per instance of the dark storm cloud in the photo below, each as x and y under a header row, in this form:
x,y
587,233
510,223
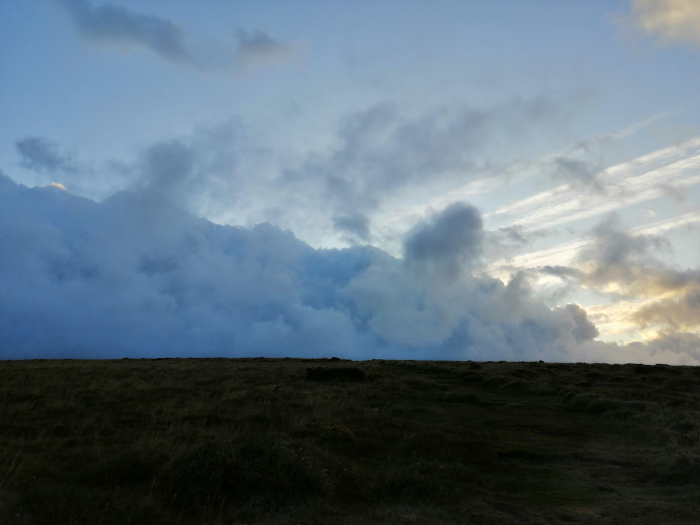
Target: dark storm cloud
x,y
138,276
117,25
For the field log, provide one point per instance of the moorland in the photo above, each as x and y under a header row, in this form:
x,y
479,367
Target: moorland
x,y
292,441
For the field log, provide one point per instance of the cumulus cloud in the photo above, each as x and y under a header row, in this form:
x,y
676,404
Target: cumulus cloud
x,y
450,240
110,24
670,21
585,330
134,276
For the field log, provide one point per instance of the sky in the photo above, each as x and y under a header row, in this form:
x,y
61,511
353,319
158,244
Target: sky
x,y
408,180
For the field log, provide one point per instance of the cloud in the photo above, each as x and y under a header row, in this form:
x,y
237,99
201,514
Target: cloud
x,y
141,277
681,313
581,174
451,240
356,225
585,330
385,151
676,194
670,21
620,262
49,161
258,49
40,154
110,24
503,243
640,180
623,263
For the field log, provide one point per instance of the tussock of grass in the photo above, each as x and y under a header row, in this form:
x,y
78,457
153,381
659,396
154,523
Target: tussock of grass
x,y
322,373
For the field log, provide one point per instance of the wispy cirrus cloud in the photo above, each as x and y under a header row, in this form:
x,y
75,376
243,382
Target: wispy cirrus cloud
x,y
639,180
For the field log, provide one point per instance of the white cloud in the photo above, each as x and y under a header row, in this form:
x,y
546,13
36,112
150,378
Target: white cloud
x,y
670,21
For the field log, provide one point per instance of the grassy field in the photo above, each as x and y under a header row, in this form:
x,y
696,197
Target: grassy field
x,y
190,441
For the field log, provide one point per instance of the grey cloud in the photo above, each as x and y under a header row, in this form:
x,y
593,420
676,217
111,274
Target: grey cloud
x,y
615,257
674,347
382,152
52,163
133,276
40,154
356,225
257,49
624,263
679,313
118,25
452,239
677,195
167,168
585,330
581,174
508,241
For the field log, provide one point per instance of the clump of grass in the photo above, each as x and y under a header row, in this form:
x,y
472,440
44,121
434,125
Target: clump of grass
x,y
321,373
461,397
314,428
124,467
214,473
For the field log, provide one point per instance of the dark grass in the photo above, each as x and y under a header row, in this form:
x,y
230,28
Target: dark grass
x,y
187,441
